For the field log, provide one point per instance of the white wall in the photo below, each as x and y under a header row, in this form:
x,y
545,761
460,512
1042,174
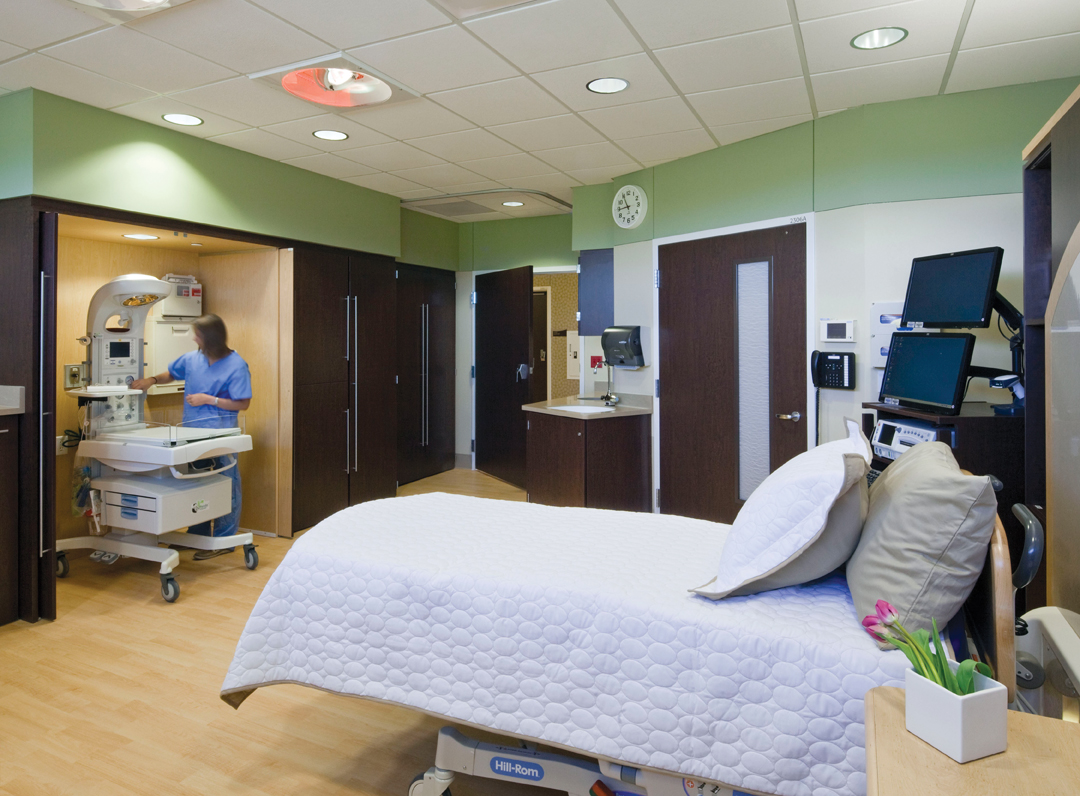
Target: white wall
x,y
634,307
463,358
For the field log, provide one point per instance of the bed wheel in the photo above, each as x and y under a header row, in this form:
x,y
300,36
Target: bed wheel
x,y
62,565
416,787
251,558
170,589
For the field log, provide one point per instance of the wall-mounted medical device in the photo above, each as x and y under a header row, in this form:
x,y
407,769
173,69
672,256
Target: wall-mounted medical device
x,y
893,437
622,347
834,331
833,370
168,329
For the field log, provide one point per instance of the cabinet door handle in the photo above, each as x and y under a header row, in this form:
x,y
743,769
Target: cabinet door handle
x,y
356,384
346,440
347,324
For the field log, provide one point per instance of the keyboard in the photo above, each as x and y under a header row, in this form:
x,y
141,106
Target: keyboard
x,y
871,477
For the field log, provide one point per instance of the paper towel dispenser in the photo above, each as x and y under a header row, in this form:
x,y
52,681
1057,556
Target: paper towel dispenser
x,y
622,347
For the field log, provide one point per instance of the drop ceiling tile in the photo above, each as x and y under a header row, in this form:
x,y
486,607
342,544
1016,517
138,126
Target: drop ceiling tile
x,y
557,131
391,157
466,145
752,103
153,109
412,119
42,22
330,165
730,133
387,183
126,55
56,77
301,130
509,167
931,26
554,184
444,176
668,24
351,23
644,118
264,144
420,193
584,157
603,174
249,101
9,51
920,77
667,146
559,33
502,102
814,9
1008,64
735,61
436,60
646,82
482,185
1001,21
232,33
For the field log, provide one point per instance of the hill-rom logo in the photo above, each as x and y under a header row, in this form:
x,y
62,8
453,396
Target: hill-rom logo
x,y
517,769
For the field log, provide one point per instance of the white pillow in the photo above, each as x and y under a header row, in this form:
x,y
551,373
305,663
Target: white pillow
x,y
800,524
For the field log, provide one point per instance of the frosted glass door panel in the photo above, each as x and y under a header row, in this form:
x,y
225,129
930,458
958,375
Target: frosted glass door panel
x,y
752,306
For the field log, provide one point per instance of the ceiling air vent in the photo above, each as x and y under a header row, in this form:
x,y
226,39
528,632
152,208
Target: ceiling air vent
x,y
454,209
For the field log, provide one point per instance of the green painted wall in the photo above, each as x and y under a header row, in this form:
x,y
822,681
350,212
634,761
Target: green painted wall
x,y
89,155
16,145
537,241
427,240
937,147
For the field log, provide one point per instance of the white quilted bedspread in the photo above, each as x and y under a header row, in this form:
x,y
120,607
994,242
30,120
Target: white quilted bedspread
x,y
574,627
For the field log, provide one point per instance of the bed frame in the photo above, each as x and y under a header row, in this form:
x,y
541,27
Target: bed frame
x,y
990,621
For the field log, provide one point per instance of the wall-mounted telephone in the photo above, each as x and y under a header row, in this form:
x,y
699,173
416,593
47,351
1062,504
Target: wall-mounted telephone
x,y
833,370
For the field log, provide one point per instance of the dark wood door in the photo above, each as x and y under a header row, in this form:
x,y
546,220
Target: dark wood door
x,y
322,453
441,369
9,519
321,312
411,388
502,325
556,460
373,285
699,344
538,363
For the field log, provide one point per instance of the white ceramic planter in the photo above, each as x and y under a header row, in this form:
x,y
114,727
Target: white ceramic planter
x,y
963,727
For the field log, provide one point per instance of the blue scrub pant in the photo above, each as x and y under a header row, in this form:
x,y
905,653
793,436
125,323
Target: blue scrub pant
x,y
227,524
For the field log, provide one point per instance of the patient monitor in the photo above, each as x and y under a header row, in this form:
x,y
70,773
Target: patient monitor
x,y
143,487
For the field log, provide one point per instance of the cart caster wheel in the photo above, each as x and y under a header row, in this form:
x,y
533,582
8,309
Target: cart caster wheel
x,y
170,589
416,787
62,566
251,558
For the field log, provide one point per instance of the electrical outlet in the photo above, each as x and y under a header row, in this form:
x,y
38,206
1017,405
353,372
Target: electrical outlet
x,y
60,449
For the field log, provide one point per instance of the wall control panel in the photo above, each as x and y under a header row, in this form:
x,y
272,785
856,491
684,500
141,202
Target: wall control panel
x,y
833,370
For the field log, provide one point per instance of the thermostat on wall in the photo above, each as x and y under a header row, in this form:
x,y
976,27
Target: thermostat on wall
x,y
837,331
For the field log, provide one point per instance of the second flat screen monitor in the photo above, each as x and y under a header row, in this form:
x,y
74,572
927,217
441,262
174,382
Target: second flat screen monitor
x,y
953,291
927,371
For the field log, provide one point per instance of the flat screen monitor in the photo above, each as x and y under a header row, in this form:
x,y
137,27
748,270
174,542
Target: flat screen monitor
x,y
953,291
927,371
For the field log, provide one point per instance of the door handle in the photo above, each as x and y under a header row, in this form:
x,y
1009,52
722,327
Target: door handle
x,y
794,417
521,373
347,324
347,440
356,385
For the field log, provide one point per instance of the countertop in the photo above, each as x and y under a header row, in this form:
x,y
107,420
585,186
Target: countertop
x,y
628,405
12,401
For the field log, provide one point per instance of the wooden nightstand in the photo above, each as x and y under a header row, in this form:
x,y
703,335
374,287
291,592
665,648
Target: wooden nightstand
x,y
1043,758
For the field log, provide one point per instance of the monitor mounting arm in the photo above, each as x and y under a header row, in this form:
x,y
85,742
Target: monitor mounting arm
x,y
1015,321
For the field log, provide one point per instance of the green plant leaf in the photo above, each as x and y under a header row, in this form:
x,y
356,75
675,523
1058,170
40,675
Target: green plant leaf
x,y
984,669
965,677
948,679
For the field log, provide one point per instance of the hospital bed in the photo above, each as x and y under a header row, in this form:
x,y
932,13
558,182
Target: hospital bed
x,y
573,629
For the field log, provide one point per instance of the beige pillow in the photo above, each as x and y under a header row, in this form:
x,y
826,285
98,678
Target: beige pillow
x,y
925,537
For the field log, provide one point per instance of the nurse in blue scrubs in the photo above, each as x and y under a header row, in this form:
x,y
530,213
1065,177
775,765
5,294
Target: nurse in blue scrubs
x,y
217,385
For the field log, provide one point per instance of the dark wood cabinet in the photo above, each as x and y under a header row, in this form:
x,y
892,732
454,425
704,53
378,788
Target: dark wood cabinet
x,y
321,311
425,355
9,519
601,463
321,452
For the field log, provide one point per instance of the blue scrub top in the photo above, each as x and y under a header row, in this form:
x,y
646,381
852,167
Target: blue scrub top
x,y
228,378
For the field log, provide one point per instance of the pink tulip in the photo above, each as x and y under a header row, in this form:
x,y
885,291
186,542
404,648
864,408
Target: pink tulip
x,y
873,626
886,614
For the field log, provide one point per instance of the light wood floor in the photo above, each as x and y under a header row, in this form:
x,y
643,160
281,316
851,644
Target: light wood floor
x,y
119,696
464,482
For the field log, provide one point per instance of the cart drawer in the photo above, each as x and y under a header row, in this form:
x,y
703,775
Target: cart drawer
x,y
132,519
130,501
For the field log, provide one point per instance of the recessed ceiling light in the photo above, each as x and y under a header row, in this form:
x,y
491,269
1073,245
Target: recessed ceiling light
x,y
123,5
183,118
607,85
196,244
879,37
141,236
340,88
513,204
330,135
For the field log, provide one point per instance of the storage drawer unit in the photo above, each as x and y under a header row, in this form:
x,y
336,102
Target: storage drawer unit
x,y
161,505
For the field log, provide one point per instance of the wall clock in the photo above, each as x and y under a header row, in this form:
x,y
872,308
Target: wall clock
x,y
630,206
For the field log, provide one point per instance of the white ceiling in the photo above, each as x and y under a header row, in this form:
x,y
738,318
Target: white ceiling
x,y
502,91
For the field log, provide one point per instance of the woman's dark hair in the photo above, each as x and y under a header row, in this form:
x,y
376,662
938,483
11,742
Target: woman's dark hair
x,y
214,336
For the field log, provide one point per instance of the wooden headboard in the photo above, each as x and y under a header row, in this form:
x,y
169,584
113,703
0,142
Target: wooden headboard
x,y
990,611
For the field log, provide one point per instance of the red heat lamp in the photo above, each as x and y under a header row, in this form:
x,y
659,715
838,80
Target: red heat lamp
x,y
340,88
